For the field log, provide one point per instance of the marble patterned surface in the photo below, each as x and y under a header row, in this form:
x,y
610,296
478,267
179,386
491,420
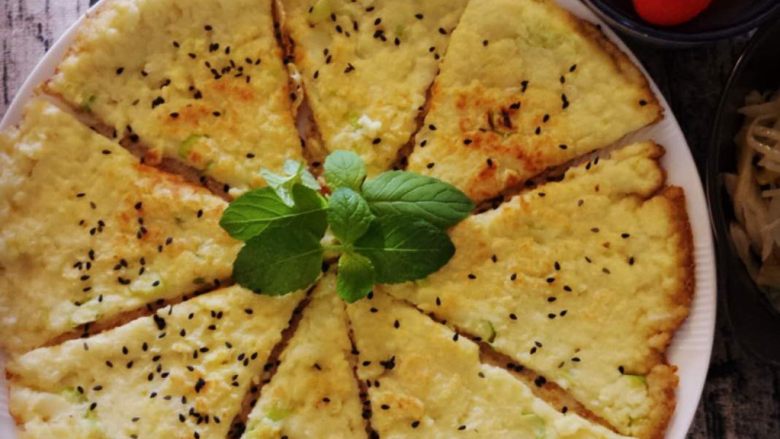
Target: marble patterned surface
x,y
742,396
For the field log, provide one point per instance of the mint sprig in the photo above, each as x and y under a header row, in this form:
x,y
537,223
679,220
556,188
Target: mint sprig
x,y
387,229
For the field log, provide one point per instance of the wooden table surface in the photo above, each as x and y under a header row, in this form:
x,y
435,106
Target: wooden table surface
x,y
742,396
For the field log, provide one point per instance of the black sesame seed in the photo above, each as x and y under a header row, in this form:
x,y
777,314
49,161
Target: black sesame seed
x,y
159,321
199,385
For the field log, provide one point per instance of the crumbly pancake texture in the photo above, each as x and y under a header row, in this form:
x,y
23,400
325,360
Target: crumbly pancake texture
x,y
425,381
180,373
584,281
86,232
198,81
525,86
314,393
367,66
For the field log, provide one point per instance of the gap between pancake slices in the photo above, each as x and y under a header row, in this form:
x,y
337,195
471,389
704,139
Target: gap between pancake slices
x,y
311,138
362,387
93,328
313,152
238,424
540,387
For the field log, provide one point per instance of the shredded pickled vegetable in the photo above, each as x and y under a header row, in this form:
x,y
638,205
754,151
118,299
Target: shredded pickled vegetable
x,y
755,191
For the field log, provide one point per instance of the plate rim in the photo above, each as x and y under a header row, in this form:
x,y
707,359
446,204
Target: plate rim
x,y
678,163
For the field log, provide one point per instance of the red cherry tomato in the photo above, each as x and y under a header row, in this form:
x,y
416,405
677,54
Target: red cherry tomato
x,y
669,12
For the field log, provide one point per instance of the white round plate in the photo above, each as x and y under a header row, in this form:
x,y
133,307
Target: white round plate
x,y
692,345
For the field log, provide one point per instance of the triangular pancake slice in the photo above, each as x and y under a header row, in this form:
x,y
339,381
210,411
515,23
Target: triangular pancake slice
x,y
425,381
366,68
526,86
182,372
583,281
86,232
314,392
197,81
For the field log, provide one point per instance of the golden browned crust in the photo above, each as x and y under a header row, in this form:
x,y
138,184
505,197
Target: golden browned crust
x,y
676,197
662,380
662,385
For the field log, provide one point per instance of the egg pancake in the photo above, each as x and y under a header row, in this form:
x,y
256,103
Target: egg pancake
x,y
366,68
584,281
525,86
313,393
425,381
193,80
180,373
86,232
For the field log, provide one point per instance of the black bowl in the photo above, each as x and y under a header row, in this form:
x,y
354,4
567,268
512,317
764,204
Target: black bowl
x,y
754,322
723,19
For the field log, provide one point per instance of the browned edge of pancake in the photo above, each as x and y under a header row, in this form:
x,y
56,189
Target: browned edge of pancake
x,y
595,34
663,380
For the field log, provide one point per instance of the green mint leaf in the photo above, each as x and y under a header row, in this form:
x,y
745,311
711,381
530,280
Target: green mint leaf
x,y
301,173
404,248
344,169
294,173
356,277
279,261
252,213
407,193
348,215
